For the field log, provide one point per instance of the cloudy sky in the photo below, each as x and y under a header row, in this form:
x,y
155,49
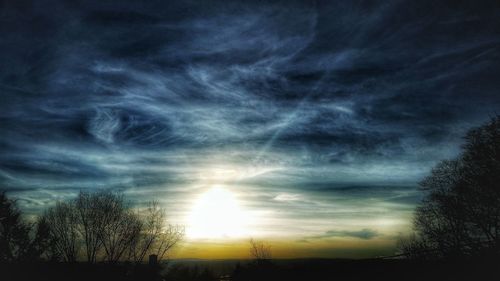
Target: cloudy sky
x,y
317,118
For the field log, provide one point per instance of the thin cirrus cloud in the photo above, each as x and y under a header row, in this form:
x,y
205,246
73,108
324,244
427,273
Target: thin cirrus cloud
x,y
322,117
364,233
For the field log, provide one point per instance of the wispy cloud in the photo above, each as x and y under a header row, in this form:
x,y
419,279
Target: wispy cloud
x,y
365,234
318,116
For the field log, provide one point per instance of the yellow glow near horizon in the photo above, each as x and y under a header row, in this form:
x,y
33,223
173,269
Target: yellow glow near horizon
x,y
217,214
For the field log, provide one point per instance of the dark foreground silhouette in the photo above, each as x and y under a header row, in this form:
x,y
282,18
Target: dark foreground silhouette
x,y
307,269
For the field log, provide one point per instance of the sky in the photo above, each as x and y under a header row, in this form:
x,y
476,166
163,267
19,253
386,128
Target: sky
x,y
314,121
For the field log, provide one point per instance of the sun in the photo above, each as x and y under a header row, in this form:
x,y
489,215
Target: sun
x,y
217,214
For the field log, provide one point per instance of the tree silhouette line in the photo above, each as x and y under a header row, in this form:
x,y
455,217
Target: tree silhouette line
x,y
94,227
459,216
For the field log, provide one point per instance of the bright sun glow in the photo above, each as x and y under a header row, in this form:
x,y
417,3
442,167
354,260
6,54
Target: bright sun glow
x,y
217,214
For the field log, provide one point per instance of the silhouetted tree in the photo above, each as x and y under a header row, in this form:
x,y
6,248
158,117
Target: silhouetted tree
x,y
106,224
460,214
62,224
102,225
20,240
261,267
414,247
14,232
155,237
260,251
120,228
42,246
90,217
480,185
152,226
167,239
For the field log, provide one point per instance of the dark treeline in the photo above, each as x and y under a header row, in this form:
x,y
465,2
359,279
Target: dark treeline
x,y
460,214
94,227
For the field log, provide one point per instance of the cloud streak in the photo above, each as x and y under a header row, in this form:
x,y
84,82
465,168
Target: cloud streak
x,y
365,234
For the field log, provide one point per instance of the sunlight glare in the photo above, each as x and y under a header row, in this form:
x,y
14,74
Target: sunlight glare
x,y
217,214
